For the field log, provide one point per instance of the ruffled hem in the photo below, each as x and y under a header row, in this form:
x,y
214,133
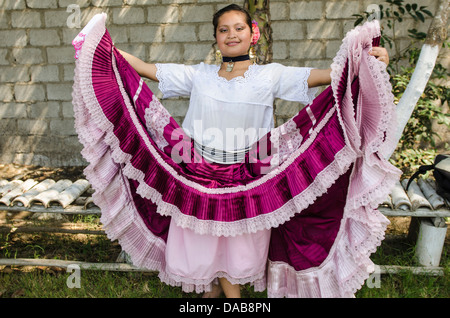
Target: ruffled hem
x,y
119,215
189,285
362,228
348,263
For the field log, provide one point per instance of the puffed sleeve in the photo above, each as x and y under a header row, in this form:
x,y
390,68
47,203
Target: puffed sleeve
x,y
175,80
292,84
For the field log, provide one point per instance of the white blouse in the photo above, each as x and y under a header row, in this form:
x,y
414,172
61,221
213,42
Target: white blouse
x,y
225,117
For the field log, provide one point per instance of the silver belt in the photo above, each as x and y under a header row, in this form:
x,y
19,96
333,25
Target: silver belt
x,y
219,155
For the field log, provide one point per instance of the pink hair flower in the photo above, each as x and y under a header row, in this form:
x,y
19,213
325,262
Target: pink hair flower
x,y
256,33
78,43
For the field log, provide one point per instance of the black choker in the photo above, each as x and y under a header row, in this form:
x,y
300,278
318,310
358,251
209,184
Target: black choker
x,y
236,58
231,60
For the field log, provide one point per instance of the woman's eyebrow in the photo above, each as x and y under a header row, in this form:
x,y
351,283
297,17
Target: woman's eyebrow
x,y
236,24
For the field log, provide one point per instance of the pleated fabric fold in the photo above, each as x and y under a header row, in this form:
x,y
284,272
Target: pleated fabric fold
x,y
316,181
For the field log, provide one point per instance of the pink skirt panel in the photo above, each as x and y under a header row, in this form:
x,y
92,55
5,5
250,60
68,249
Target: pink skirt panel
x,y
198,259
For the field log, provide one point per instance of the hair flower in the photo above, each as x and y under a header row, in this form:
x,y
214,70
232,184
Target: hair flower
x,y
78,43
256,33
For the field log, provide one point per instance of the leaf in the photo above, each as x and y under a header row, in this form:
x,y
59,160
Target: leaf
x,y
413,33
420,16
427,12
358,21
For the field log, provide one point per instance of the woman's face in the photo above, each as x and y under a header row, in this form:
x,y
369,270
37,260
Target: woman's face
x,y
233,34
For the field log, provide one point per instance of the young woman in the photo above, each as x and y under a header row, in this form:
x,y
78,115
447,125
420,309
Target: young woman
x,y
230,112
233,34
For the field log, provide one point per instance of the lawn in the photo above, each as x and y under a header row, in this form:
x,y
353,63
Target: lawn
x,y
54,282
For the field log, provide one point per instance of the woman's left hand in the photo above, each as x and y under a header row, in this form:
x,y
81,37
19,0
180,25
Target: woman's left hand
x,y
380,53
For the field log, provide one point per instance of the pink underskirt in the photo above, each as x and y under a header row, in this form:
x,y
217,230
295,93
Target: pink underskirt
x,y
199,258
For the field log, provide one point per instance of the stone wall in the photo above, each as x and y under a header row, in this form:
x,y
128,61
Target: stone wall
x,y
37,59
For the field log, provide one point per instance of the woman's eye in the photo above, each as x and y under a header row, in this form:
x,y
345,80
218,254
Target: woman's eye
x,y
223,30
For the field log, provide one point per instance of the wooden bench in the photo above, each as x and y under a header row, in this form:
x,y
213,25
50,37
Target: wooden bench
x,y
421,203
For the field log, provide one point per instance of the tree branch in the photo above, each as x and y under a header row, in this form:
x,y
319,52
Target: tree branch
x,y
437,34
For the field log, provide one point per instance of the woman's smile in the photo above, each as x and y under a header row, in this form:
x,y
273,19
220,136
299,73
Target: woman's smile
x,y
233,43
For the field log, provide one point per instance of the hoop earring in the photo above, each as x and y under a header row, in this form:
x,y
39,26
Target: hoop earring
x,y
252,53
218,57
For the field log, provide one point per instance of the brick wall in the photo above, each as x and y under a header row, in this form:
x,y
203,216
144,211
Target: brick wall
x,y
36,57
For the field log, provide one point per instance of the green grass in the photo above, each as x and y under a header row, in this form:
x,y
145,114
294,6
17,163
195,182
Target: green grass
x,y
94,284
49,282
405,284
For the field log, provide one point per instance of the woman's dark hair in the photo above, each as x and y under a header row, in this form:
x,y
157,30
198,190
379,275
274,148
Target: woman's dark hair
x,y
231,7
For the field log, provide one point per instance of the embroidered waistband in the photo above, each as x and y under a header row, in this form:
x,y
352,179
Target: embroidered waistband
x,y
219,155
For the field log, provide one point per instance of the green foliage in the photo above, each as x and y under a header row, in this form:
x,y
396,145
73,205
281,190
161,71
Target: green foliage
x,y
409,160
418,133
394,12
419,130
260,12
